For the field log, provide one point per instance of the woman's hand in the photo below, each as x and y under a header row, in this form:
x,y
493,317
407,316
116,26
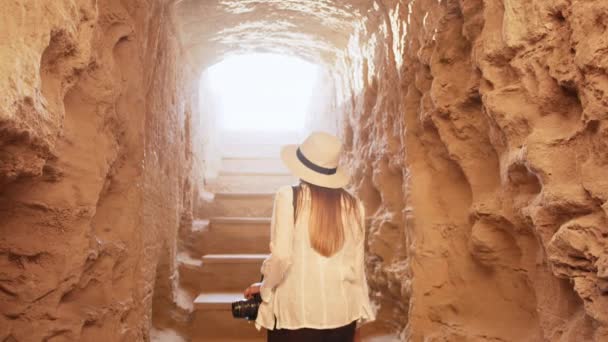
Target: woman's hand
x,y
252,289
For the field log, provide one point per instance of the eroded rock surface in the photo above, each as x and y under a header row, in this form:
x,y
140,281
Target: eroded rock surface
x,y
478,131
95,161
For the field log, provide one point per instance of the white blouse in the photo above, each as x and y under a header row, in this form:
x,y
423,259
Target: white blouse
x,y
302,288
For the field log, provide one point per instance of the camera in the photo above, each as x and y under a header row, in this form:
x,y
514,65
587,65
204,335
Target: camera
x,y
248,308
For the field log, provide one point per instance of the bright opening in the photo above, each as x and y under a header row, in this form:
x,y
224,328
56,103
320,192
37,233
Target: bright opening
x,y
262,92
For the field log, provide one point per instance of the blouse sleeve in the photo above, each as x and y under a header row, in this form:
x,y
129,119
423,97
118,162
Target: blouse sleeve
x,y
367,314
281,243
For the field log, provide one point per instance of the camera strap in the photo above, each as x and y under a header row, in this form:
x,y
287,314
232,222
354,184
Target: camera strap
x,y
295,189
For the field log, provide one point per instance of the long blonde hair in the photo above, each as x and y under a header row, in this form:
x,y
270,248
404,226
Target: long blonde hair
x,y
326,229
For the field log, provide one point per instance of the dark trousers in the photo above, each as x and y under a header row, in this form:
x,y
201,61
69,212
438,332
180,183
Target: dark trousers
x,y
342,334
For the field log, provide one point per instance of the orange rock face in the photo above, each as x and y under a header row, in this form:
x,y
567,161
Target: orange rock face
x,y
478,133
95,136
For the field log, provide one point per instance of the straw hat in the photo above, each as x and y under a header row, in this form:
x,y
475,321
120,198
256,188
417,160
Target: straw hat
x,y
316,160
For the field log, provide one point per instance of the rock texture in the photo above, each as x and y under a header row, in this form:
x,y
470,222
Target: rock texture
x,y
315,30
478,130
95,166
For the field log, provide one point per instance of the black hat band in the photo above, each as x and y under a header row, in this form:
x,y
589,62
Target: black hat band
x,y
314,166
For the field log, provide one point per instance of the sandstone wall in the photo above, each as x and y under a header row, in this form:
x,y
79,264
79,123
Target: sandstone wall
x,y
95,166
478,131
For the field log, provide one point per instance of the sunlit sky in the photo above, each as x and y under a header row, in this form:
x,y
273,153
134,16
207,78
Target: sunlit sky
x,y
262,92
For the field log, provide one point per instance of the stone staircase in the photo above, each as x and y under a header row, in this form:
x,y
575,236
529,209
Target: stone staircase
x,y
231,235
227,244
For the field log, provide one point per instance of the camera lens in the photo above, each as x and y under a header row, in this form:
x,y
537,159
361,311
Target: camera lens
x,y
247,309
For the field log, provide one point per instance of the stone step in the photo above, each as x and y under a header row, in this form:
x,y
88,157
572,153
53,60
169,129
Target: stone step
x,y
236,205
221,272
251,151
230,272
257,144
213,319
241,182
189,270
236,235
192,240
272,166
378,331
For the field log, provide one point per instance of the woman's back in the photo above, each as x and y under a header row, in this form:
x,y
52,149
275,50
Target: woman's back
x,y
314,284
317,291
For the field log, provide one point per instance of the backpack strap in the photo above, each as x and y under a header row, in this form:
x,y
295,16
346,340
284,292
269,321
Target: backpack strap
x,y
295,190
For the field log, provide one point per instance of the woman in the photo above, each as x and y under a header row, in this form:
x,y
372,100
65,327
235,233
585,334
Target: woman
x,y
314,286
